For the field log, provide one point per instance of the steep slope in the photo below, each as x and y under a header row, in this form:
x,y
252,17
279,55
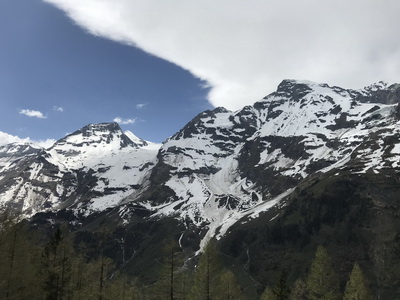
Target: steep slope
x,y
91,169
222,166
12,154
225,165
309,164
354,215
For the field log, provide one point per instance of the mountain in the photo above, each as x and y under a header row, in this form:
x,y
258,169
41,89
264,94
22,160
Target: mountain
x,y
223,165
13,153
308,164
90,169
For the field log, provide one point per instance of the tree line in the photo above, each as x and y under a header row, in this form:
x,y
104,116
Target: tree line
x,y
33,266
321,283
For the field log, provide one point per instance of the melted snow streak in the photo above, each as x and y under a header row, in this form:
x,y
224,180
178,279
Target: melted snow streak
x,y
220,225
204,156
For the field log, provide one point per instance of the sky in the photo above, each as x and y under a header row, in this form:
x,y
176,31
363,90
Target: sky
x,y
56,78
154,65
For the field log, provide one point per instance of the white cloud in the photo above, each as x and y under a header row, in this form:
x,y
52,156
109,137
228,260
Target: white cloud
x,y
244,49
44,143
140,105
124,121
6,138
58,108
32,113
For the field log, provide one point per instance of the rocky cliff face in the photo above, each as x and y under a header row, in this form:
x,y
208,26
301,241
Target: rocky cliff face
x,y
89,170
308,164
14,153
220,165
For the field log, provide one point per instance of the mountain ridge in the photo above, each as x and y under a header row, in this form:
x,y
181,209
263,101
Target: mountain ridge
x,y
301,128
306,165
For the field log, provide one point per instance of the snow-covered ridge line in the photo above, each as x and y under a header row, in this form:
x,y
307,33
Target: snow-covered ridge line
x,y
92,169
222,166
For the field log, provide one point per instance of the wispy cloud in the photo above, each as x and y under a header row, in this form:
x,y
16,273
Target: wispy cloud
x,y
124,121
32,113
141,105
243,51
58,108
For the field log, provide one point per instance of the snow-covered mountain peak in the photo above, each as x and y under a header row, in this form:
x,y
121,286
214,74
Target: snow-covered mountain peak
x,y
13,153
296,90
380,85
221,164
95,167
304,108
103,134
17,149
290,84
94,144
380,92
218,158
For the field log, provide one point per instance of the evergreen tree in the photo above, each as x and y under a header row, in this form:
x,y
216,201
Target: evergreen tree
x,y
299,290
13,246
268,294
8,245
322,282
78,276
228,287
84,275
356,287
120,288
184,282
56,266
171,272
281,290
206,274
102,267
18,262
172,264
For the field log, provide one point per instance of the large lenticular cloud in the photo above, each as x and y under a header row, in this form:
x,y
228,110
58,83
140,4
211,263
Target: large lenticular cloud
x,y
243,49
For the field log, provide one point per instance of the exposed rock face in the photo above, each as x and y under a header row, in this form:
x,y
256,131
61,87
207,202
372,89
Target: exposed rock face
x,y
223,160
89,170
308,164
222,165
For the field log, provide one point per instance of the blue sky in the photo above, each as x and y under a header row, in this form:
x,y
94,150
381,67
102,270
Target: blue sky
x,y
146,63
50,65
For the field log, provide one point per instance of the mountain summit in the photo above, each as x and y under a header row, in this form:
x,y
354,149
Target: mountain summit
x,y
306,163
220,164
94,167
